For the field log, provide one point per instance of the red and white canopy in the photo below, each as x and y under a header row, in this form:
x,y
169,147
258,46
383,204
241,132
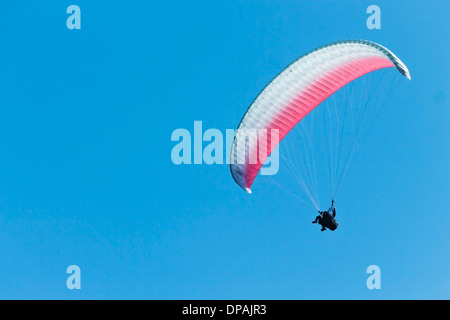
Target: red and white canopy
x,y
295,92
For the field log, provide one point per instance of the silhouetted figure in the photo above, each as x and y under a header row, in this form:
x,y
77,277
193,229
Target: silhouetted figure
x,y
326,218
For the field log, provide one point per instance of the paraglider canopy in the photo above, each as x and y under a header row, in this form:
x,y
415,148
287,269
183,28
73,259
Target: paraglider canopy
x,y
294,93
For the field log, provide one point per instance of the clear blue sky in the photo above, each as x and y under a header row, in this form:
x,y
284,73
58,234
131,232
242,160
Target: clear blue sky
x,y
86,176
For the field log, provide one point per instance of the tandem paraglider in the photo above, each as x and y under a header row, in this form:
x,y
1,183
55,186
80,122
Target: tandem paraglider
x,y
296,92
327,218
